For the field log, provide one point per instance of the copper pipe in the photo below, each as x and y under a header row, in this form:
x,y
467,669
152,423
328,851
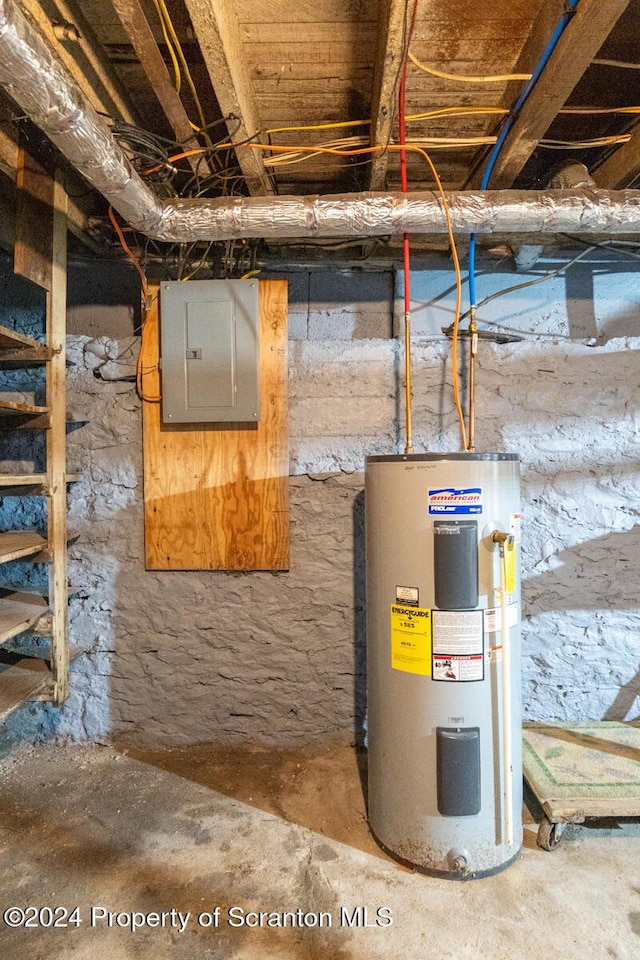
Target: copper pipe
x,y
473,350
407,377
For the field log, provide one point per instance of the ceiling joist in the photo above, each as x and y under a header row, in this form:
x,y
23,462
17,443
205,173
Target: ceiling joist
x,y
386,79
578,45
622,168
140,34
82,57
221,45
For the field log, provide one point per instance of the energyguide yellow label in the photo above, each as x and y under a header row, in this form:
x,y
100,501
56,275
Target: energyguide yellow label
x,y
411,639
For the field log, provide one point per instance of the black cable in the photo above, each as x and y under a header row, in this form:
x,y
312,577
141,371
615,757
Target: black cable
x,y
611,245
589,247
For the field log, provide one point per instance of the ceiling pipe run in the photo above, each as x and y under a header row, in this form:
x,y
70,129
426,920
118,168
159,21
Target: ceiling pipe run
x,y
32,74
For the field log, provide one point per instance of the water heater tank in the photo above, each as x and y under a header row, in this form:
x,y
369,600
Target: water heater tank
x,y
445,762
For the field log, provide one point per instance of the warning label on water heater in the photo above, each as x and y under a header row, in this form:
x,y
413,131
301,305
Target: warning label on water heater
x,y
458,645
454,501
411,639
459,669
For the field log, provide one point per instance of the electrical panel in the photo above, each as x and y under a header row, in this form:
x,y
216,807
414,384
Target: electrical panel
x,y
209,351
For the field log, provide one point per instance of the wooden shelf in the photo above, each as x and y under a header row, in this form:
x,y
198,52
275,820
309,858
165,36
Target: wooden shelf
x,y
11,339
17,347
24,674
16,544
46,555
33,418
19,611
24,678
11,408
21,678
16,415
28,484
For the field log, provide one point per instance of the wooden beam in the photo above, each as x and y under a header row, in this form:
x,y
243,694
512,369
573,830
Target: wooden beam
x,y
56,445
622,168
82,57
79,204
8,151
7,214
532,50
34,219
581,39
386,79
136,25
219,37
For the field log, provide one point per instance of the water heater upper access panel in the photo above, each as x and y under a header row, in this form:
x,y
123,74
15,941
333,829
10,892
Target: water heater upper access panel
x,y
209,338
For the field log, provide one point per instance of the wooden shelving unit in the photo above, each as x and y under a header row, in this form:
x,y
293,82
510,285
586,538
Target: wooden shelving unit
x,y
45,675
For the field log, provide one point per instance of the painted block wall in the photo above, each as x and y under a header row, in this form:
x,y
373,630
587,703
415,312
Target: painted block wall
x,y
279,658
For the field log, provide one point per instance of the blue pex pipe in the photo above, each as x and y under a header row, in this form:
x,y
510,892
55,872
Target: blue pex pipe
x,y
497,147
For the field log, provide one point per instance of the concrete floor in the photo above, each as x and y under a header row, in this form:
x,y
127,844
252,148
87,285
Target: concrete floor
x,y
198,828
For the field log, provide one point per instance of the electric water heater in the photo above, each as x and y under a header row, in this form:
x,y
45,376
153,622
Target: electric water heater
x,y
443,659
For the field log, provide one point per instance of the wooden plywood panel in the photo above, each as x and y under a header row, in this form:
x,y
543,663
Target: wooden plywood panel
x,y
217,495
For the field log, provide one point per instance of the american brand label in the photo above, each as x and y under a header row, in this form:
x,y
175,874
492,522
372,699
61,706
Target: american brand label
x,y
451,500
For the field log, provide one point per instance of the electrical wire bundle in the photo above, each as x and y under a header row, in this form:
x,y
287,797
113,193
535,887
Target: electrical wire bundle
x,y
211,169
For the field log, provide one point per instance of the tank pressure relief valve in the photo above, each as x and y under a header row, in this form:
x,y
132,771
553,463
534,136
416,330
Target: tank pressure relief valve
x,y
506,545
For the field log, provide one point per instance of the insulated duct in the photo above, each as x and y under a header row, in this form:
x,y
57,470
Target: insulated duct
x,y
34,77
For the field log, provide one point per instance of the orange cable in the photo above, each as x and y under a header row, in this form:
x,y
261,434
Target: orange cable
x,y
177,156
140,365
132,257
143,369
456,319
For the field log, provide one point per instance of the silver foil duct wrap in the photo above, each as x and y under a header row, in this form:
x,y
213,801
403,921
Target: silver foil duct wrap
x,y
32,74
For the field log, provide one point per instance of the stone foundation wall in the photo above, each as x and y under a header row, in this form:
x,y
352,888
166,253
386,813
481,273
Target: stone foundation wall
x,y
279,658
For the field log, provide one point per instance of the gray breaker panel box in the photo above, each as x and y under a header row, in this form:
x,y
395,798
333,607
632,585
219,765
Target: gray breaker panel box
x,y
209,348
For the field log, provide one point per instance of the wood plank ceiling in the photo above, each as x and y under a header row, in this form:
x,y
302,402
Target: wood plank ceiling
x,y
247,68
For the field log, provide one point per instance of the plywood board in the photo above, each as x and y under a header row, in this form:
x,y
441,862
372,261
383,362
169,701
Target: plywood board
x,y
216,496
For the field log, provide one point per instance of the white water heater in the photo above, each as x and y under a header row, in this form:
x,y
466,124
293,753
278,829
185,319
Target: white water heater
x,y
443,660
